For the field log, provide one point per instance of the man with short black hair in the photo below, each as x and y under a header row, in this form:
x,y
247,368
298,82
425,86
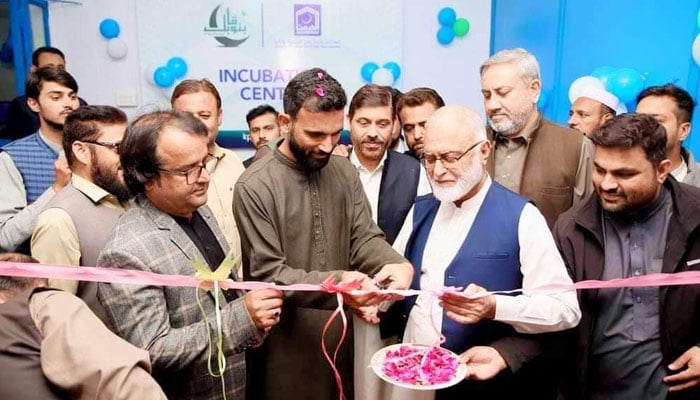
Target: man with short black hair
x,y
32,169
673,107
21,119
263,128
304,218
634,342
414,108
166,163
76,223
391,180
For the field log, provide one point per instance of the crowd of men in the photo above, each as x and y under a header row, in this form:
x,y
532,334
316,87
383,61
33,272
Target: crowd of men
x,y
426,196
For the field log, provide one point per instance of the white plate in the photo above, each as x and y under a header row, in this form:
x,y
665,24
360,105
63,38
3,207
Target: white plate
x,y
378,360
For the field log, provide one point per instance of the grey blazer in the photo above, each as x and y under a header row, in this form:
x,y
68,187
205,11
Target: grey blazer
x,y
167,321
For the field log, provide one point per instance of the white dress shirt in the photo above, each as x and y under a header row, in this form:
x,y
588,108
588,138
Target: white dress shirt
x,y
540,264
366,336
372,180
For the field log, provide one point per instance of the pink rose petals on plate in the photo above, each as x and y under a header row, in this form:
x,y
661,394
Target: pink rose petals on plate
x,y
417,366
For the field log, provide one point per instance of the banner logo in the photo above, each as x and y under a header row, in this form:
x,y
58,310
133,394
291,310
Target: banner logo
x,y
226,27
307,20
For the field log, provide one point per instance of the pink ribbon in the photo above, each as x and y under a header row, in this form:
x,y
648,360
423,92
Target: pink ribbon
x,y
338,288
116,275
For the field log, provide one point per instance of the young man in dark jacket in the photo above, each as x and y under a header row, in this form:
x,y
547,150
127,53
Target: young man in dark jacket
x,y
634,343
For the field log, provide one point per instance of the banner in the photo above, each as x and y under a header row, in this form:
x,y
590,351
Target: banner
x,y
251,49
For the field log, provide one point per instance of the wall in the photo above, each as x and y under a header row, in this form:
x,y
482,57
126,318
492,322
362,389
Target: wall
x,y
452,70
571,38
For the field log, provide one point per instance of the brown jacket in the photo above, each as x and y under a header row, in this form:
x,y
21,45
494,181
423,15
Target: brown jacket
x,y
554,164
579,236
53,347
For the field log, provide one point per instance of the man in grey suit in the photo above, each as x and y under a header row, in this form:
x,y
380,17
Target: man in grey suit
x,y
167,167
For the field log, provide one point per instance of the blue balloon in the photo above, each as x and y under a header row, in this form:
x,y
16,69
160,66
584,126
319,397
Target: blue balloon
x,y
368,70
109,28
542,101
626,83
394,68
177,67
604,74
445,35
447,16
163,77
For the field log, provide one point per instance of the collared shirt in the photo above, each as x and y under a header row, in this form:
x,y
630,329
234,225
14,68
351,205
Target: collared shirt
x,y
205,241
681,171
626,349
55,239
220,194
372,181
510,154
540,262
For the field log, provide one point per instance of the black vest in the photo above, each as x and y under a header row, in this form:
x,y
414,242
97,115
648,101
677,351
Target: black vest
x,y
396,192
21,376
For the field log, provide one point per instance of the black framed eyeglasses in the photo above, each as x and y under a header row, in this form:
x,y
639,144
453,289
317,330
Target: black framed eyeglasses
x,y
429,160
192,175
114,146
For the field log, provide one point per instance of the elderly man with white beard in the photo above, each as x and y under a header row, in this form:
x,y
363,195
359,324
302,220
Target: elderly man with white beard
x,y
476,234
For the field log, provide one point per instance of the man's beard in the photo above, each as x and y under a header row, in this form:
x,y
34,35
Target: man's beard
x,y
634,201
303,157
108,179
514,124
470,177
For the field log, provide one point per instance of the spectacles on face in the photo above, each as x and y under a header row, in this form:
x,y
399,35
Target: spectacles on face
x,y
429,160
114,146
193,174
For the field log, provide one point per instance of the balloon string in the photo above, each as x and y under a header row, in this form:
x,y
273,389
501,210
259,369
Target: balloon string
x,y
332,362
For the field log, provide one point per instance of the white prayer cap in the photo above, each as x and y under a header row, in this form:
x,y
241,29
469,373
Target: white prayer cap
x,y
604,97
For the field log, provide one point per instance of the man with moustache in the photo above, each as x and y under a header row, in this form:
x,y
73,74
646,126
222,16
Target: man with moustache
x,y
263,127
391,180
22,120
304,218
414,108
634,343
474,233
592,108
672,107
75,224
33,170
166,163
202,99
547,163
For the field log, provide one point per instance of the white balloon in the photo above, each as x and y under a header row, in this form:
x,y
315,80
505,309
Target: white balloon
x,y
696,49
581,83
116,48
383,77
